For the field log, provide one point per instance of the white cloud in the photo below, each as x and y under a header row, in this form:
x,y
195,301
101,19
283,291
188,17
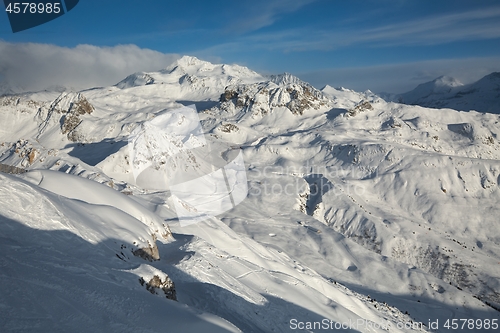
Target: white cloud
x,y
403,77
35,67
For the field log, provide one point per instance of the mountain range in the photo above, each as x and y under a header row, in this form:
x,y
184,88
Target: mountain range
x,y
447,92
374,214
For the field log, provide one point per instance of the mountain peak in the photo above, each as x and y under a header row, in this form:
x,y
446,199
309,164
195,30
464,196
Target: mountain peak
x,y
189,61
192,78
286,78
439,86
447,81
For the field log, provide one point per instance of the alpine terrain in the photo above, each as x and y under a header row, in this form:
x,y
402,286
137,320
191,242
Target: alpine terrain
x,y
361,215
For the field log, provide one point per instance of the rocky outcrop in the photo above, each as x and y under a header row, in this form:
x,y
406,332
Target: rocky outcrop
x,y
156,284
286,91
149,253
360,107
228,128
11,169
72,119
27,153
66,110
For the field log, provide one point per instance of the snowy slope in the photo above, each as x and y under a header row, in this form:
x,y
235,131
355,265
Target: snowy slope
x,y
358,209
88,283
399,180
67,266
346,98
447,92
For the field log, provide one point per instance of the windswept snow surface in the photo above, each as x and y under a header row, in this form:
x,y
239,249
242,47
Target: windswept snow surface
x,y
359,212
67,266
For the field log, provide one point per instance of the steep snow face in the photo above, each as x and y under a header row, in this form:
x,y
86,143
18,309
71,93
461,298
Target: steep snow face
x,y
447,92
108,219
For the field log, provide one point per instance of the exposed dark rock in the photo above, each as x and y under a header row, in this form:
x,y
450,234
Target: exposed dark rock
x,y
360,107
148,253
228,128
228,95
11,169
72,118
156,283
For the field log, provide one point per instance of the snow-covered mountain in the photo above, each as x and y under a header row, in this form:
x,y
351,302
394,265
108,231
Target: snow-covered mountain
x,y
190,79
447,92
359,211
347,98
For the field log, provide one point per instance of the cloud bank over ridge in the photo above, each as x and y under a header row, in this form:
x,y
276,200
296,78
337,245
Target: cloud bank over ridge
x,y
32,67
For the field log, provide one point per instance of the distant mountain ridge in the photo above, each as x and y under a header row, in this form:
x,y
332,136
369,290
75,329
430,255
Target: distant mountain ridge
x,y
447,92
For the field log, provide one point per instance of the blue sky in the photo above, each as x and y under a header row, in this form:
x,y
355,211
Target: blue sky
x,y
384,45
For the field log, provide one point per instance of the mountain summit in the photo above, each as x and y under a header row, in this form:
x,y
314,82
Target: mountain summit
x,y
195,76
